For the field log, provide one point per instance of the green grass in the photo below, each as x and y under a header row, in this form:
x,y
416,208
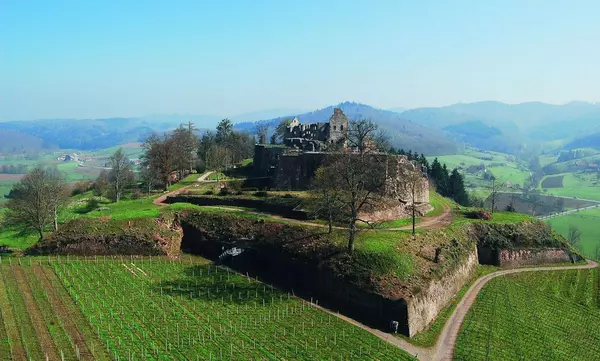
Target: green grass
x,y
511,170
498,217
578,185
11,240
194,311
217,176
534,316
548,159
188,180
587,222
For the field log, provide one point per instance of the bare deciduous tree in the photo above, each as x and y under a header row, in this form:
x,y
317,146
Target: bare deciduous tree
x,y
262,130
158,158
495,193
185,148
280,131
36,201
364,136
359,180
327,195
409,182
121,174
220,158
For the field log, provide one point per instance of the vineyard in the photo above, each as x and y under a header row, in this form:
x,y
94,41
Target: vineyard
x,y
534,316
157,309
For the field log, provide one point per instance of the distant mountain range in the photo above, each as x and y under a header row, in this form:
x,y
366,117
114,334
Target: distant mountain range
x,y
90,134
402,132
487,125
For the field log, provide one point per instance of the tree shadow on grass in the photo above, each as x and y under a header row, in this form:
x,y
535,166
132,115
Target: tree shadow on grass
x,y
217,284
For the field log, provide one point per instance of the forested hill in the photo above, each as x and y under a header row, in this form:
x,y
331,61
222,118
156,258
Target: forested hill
x,y
402,133
588,141
87,134
14,142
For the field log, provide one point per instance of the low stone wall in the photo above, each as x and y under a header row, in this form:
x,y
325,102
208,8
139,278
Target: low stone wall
x,y
533,256
391,213
425,307
284,210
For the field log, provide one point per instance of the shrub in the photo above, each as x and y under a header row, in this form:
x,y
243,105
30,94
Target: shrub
x,y
235,185
209,192
224,192
92,204
137,194
480,214
287,195
80,188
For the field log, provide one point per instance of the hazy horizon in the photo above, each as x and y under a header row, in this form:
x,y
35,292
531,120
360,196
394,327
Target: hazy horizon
x,y
71,59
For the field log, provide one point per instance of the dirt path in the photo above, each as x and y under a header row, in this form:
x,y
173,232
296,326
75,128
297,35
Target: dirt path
x,y
63,314
436,222
444,347
35,314
160,201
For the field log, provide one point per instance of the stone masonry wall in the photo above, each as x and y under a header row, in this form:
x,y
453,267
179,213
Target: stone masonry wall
x,y
394,212
425,307
532,256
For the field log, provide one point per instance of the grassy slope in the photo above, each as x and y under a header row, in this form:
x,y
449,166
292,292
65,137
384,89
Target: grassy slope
x,y
578,185
587,222
536,316
511,171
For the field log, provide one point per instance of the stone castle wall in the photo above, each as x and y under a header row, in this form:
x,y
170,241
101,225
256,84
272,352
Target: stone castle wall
x,y
532,256
425,307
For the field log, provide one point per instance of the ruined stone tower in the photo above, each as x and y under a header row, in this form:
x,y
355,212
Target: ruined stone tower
x,y
338,127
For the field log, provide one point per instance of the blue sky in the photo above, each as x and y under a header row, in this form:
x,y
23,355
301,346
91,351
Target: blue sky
x,y
127,58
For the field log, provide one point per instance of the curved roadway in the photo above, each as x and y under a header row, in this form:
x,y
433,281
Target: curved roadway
x,y
444,347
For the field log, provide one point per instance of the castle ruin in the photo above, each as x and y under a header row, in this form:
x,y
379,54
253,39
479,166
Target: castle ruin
x,y
305,147
318,136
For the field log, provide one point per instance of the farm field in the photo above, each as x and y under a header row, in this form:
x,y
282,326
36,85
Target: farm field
x,y
162,310
534,316
503,166
71,170
577,185
587,221
554,181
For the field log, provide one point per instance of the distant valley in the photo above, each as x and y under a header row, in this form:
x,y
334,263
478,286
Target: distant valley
x,y
491,126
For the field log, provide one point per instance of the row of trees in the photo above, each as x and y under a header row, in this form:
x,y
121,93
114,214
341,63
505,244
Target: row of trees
x,y
13,168
171,152
221,149
175,154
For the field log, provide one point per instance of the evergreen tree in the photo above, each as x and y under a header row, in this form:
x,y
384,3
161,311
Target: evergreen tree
x,y
423,161
456,188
